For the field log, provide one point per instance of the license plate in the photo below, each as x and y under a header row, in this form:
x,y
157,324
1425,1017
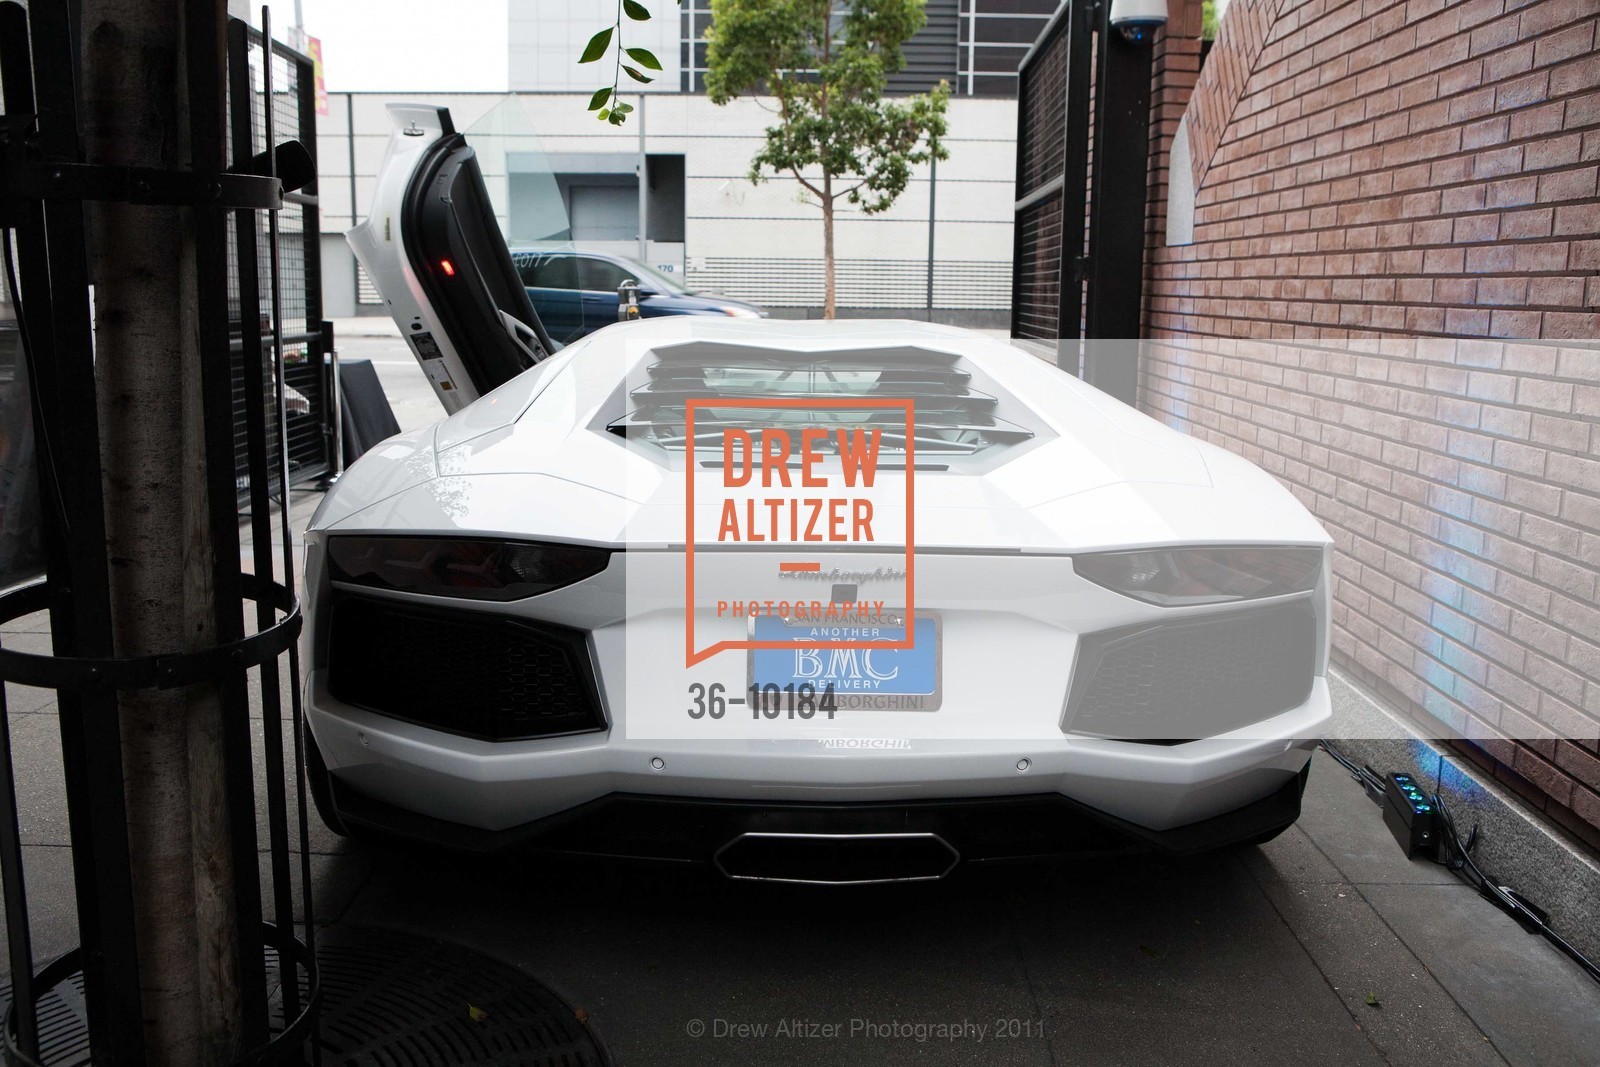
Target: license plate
x,y
863,679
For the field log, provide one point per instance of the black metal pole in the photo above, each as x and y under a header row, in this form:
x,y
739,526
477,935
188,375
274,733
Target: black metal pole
x,y
933,201
16,84
1117,223
206,67
319,351
1016,192
1075,175
19,938
350,149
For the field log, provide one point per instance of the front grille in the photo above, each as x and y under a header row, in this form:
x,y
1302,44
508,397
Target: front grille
x,y
470,673
1202,676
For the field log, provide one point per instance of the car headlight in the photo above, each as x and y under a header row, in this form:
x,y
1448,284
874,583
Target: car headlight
x,y
1177,576
468,569
741,313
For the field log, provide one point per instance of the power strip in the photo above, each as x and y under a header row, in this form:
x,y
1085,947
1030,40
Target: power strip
x,y
1410,816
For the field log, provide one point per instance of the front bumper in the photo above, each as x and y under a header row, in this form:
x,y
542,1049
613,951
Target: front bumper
x,y
480,787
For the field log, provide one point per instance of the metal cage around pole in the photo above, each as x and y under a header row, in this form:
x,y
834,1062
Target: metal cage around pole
x,y
253,342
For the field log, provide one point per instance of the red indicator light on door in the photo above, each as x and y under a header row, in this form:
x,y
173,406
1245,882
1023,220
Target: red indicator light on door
x,y
448,268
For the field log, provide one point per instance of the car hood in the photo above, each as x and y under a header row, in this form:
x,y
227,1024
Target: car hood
x,y
533,459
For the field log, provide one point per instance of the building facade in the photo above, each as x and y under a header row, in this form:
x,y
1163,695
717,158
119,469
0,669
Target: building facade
x,y
672,186
942,251
972,44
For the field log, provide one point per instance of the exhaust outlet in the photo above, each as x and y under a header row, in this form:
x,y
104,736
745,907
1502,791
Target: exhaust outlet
x,y
837,859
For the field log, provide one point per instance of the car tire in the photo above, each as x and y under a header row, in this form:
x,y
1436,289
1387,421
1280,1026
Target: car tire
x,y
319,783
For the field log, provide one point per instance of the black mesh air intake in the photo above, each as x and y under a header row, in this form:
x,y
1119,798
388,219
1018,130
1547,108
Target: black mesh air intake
x,y
1201,676
471,673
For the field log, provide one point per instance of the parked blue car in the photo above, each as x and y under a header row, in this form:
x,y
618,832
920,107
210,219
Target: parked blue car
x,y
575,293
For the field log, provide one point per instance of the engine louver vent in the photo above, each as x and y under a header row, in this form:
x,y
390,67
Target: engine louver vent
x,y
952,418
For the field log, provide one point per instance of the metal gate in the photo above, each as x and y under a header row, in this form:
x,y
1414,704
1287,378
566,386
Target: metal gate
x,y
1083,120
307,338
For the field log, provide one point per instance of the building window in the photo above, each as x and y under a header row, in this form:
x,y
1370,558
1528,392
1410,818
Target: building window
x,y
975,45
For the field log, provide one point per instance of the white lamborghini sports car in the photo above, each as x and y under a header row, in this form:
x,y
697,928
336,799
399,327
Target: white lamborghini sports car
x,y
829,602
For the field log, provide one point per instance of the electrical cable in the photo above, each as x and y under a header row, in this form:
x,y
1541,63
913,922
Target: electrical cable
x,y
1456,856
1370,780
1532,918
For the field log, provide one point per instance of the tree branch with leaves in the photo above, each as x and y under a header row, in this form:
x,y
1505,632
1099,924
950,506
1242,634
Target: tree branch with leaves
x,y
605,100
828,64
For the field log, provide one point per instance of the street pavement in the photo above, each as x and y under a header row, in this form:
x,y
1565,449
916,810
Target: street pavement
x,y
1324,946
409,392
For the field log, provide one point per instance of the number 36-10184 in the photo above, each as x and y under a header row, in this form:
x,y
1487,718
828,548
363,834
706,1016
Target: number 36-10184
x,y
770,701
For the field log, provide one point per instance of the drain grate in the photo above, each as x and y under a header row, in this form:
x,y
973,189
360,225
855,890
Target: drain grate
x,y
398,999
63,1026
394,998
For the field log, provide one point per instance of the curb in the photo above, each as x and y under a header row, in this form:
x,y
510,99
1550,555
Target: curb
x,y
1515,844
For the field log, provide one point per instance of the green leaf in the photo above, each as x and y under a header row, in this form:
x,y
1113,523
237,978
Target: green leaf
x,y
598,100
604,112
1373,1001
645,58
622,109
636,75
597,45
635,10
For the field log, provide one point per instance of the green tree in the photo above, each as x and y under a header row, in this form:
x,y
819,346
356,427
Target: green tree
x,y
827,63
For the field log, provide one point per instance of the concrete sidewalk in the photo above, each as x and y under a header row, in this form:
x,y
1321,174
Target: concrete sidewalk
x,y
1324,946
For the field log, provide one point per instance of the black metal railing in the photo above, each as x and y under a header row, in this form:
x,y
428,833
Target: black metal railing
x,y
312,414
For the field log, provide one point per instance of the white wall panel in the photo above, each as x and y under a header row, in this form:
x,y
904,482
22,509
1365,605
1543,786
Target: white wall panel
x,y
754,241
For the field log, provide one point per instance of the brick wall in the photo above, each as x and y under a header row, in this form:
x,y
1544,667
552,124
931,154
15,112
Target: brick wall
x,y
1238,47
1177,64
1375,170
